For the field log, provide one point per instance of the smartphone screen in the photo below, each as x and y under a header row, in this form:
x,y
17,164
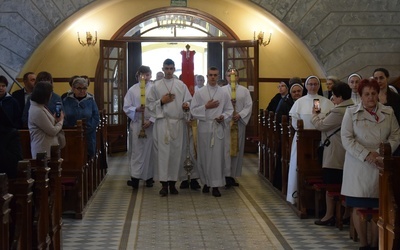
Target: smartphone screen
x,y
316,104
58,109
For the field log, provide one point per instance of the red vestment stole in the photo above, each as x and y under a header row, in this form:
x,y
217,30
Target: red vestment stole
x,y
188,69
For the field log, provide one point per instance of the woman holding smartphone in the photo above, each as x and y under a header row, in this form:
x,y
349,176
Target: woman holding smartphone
x,y
333,158
43,125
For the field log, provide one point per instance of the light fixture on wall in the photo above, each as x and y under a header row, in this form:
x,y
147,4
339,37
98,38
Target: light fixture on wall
x,y
89,39
260,38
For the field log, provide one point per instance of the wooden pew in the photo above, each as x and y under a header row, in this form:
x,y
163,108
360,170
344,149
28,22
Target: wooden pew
x,y
308,167
55,198
21,213
40,230
389,200
102,163
74,176
270,141
5,199
286,138
261,144
265,144
74,173
277,153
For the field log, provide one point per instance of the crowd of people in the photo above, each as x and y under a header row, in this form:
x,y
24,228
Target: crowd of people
x,y
36,107
354,118
182,127
168,126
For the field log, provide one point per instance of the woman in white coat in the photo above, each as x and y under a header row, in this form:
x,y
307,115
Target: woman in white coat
x,y
364,127
43,125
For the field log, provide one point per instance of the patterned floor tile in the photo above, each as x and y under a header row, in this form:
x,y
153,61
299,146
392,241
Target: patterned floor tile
x,y
252,216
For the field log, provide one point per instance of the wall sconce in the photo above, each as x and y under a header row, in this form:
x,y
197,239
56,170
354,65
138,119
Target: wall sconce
x,y
260,38
89,39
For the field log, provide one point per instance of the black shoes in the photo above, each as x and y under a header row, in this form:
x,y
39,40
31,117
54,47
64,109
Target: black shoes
x,y
172,188
149,182
206,189
215,192
163,192
230,182
194,184
330,222
184,185
133,182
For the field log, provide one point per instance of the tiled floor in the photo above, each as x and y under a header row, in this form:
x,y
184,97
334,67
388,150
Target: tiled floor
x,y
251,216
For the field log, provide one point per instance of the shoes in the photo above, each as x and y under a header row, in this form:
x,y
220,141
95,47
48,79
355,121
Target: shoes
x,y
163,192
149,182
365,248
215,192
206,189
133,182
184,185
228,182
330,222
231,182
194,184
173,190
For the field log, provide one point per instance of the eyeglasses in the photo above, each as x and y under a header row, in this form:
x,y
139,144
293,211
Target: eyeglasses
x,y
212,74
81,89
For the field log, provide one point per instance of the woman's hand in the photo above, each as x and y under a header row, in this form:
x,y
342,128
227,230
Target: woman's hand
x,y
373,158
61,118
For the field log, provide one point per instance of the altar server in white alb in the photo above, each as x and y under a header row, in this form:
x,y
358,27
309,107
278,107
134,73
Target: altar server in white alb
x,y
243,105
140,145
167,101
212,107
302,109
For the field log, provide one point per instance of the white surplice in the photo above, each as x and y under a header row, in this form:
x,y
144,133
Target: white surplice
x,y
211,134
140,149
168,127
244,106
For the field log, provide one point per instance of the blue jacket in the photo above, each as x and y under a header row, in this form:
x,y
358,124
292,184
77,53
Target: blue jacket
x,y
84,109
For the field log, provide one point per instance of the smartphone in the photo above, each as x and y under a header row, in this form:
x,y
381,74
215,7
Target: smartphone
x,y
58,109
316,104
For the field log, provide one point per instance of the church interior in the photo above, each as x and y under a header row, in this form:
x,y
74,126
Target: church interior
x,y
269,41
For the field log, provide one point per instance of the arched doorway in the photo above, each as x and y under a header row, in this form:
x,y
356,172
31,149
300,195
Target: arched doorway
x,y
160,26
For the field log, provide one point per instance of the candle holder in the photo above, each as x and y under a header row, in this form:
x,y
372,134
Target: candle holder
x,y
142,133
188,163
234,147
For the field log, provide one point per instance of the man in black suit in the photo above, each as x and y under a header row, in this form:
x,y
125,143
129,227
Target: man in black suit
x,y
23,94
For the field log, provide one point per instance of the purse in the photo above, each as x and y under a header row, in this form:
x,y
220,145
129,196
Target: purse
x,y
322,145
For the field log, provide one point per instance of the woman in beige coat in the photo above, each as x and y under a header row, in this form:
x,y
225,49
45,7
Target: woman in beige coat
x,y
364,127
333,158
43,125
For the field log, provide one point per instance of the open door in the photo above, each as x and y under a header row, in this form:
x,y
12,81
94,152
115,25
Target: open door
x,y
243,55
111,86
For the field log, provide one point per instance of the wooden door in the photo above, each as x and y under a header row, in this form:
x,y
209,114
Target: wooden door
x,y
243,55
110,90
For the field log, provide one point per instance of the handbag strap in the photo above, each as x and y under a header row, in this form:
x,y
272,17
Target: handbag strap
x,y
337,130
329,136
